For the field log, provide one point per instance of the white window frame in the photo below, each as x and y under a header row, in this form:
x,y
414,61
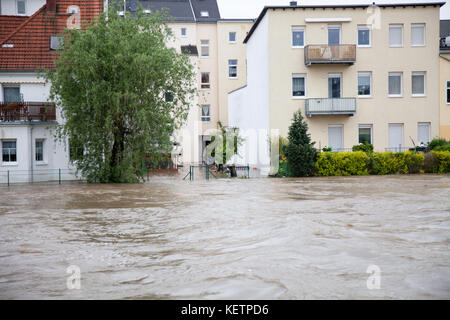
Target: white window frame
x,y
368,28
296,76
205,118
8,163
402,125
298,28
24,5
419,73
185,32
233,65
204,45
370,83
395,26
43,161
424,34
447,87
205,83
366,126
401,84
334,26
229,36
340,76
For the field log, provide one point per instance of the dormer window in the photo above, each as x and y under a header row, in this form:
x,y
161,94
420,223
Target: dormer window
x,y
73,9
56,42
21,7
204,14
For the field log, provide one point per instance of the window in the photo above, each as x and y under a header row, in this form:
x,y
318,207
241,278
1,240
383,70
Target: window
x,y
39,150
169,96
183,32
334,34
21,7
418,84
364,36
423,133
204,14
206,117
232,37
365,133
56,42
334,85
76,151
298,37
395,84
9,151
298,85
447,89
417,35
204,48
364,84
395,35
232,68
11,94
205,80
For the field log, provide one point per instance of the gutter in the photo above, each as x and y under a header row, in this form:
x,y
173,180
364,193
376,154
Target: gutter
x,y
444,57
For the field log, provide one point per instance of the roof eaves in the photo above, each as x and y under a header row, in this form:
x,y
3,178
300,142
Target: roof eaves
x,y
264,10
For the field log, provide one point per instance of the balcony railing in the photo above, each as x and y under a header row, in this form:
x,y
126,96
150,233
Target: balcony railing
x,y
325,106
336,53
27,111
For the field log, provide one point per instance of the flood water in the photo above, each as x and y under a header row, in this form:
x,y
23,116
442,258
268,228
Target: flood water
x,y
228,239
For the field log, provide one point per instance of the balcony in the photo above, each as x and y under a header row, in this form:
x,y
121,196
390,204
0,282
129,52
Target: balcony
x,y
27,111
327,106
324,53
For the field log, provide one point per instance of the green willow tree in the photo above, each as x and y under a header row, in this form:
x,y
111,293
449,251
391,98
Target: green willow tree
x,y
122,93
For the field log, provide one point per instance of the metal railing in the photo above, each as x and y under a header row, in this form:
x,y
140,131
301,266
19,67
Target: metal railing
x,y
27,111
397,149
8,177
336,53
324,106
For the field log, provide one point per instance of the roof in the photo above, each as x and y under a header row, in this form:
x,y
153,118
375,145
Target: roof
x,y
384,5
179,10
28,42
9,24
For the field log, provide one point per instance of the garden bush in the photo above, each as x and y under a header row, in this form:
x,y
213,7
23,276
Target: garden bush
x,y
341,164
443,161
436,143
364,147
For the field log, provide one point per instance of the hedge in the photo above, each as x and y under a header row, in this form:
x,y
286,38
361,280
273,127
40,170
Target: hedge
x,y
378,163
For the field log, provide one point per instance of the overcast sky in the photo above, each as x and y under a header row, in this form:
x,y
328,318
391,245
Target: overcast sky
x,y
252,8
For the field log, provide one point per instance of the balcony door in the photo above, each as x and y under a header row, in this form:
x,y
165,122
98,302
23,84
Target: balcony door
x,y
334,34
334,85
335,137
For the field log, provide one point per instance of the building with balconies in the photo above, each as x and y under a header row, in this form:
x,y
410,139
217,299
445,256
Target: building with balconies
x,y
358,73
28,30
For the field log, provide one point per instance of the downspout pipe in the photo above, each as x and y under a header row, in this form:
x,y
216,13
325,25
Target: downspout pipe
x,y
31,153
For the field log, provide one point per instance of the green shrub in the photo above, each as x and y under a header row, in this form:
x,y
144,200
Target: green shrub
x,y
364,147
445,147
341,163
326,149
443,160
437,142
395,162
431,163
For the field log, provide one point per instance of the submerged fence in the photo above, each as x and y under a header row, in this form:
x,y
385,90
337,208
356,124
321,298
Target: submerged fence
x,y
8,177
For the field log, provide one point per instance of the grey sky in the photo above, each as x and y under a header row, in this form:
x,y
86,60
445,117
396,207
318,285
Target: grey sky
x,y
252,8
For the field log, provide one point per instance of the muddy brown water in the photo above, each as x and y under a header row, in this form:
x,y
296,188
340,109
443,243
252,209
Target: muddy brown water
x,y
228,239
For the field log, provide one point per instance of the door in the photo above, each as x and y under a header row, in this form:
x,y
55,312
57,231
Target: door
x,y
423,133
335,138
334,34
395,137
334,85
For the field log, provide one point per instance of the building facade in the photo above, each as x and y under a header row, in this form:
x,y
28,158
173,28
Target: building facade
x,y
29,32
444,80
357,73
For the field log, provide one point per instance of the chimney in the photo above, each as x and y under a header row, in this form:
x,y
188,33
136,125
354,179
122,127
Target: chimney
x,y
293,3
51,5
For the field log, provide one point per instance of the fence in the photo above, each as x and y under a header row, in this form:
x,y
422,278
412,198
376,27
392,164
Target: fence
x,y
8,177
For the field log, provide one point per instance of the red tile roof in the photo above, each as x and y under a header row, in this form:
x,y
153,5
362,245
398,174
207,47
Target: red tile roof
x,y
30,36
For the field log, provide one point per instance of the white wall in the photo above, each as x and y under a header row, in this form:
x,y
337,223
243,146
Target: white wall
x,y
9,7
248,107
